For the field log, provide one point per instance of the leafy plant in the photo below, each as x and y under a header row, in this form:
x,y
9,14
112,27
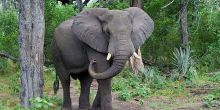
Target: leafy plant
x,y
151,75
124,95
54,15
213,99
182,61
9,32
14,85
215,77
141,91
45,103
6,105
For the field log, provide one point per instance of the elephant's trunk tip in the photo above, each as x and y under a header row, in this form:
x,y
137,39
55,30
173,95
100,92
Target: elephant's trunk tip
x,y
91,68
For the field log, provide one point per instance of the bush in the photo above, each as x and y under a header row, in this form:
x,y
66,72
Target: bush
x,y
9,32
45,103
215,77
142,85
183,64
213,99
7,105
54,15
124,95
153,77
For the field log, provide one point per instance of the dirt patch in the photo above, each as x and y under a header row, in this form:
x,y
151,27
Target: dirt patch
x,y
191,102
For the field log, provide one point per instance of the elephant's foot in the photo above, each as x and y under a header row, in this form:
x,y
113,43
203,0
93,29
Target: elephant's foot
x,y
84,108
66,108
96,108
99,108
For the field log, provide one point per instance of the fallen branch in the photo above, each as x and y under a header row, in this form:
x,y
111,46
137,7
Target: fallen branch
x,y
6,55
167,4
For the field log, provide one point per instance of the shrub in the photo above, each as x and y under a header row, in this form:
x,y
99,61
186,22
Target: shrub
x,y
124,95
45,103
54,15
183,63
152,76
215,77
9,32
213,99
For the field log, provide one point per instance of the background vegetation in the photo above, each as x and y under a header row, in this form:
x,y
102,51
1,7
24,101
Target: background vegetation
x,y
170,70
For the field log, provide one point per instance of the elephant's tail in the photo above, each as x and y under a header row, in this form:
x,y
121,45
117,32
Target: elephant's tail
x,y
56,84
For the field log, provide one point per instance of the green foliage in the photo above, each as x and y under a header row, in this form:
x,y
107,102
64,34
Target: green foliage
x,y
54,15
10,73
6,105
183,64
9,32
182,60
203,28
124,95
118,4
111,4
7,66
141,91
213,99
14,85
152,76
131,85
215,77
45,103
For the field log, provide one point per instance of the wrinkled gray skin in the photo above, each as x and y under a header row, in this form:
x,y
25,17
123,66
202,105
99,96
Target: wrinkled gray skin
x,y
81,44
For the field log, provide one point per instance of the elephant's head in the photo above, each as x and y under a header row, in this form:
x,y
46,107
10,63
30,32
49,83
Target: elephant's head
x,y
116,32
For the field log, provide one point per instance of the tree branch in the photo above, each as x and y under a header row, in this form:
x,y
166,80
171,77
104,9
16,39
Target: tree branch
x,y
6,55
167,4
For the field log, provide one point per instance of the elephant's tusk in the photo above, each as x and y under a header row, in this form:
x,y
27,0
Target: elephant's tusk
x,y
108,56
136,55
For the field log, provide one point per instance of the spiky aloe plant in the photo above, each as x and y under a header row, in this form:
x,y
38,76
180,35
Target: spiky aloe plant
x,y
182,60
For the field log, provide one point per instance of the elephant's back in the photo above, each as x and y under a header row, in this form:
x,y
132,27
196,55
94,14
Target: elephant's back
x,y
72,51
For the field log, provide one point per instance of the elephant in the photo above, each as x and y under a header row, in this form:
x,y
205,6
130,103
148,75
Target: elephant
x,y
96,44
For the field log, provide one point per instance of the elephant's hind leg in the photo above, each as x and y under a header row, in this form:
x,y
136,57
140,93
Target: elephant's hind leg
x,y
65,81
85,82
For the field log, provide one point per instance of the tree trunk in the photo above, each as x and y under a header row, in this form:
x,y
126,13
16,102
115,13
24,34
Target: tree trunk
x,y
183,22
9,4
79,5
136,3
4,5
31,41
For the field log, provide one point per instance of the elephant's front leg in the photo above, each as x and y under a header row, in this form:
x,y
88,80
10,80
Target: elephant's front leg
x,y
103,99
105,94
85,82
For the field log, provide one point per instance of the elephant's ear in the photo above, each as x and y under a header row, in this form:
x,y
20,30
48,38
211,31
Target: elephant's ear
x,y
143,26
88,28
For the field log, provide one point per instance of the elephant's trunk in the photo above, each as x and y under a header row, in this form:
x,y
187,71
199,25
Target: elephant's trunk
x,y
117,65
122,55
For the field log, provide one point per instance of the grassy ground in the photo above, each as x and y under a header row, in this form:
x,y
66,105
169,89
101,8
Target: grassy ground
x,y
137,92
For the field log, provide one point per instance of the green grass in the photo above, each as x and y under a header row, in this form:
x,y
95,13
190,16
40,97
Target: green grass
x,y
127,86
